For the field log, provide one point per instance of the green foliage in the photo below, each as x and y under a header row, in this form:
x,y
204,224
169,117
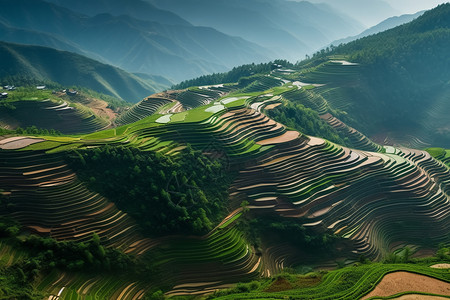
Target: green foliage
x,y
401,82
8,227
351,282
44,65
158,295
16,282
232,76
281,230
307,121
165,195
33,130
48,253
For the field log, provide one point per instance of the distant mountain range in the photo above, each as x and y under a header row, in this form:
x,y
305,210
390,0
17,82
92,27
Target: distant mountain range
x,y
72,69
178,39
175,39
173,51
290,29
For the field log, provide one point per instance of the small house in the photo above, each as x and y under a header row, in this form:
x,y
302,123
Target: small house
x,y
3,95
71,92
40,87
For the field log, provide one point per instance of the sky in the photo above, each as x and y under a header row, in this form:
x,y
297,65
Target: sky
x,y
412,6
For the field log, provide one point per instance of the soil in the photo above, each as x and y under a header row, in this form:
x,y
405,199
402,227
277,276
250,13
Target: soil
x,y
286,137
100,109
18,143
399,282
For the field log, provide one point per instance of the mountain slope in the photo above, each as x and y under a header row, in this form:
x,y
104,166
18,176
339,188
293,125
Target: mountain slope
x,y
71,69
404,71
383,26
137,9
289,29
173,51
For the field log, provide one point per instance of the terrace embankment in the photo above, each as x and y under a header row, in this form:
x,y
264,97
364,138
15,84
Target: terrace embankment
x,y
400,282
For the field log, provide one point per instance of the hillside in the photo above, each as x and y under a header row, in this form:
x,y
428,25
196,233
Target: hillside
x,y
176,51
70,69
138,9
269,181
383,26
53,111
405,71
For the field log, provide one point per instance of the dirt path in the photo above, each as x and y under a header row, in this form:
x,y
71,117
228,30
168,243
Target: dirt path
x,y
399,282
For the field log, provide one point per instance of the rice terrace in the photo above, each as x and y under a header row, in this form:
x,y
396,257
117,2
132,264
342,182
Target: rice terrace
x,y
323,179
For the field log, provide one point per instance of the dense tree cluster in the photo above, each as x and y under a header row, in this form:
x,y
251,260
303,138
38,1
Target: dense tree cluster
x,y
41,255
37,131
306,121
234,75
49,253
165,195
281,230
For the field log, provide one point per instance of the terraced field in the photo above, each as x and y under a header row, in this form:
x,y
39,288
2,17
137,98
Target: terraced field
x,y
440,154
356,138
61,206
49,115
379,202
348,283
172,102
350,88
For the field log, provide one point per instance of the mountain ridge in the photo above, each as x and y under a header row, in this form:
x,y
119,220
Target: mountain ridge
x,y
383,26
167,50
71,69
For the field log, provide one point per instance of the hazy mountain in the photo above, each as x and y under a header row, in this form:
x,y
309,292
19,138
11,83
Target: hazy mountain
x,y
134,8
383,26
174,51
368,12
288,28
32,37
72,69
412,6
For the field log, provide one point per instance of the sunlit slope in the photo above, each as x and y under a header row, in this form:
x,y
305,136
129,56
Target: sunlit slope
x,y
49,115
398,89
70,69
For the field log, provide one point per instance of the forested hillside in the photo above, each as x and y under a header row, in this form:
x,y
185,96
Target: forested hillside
x,y
405,71
70,69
